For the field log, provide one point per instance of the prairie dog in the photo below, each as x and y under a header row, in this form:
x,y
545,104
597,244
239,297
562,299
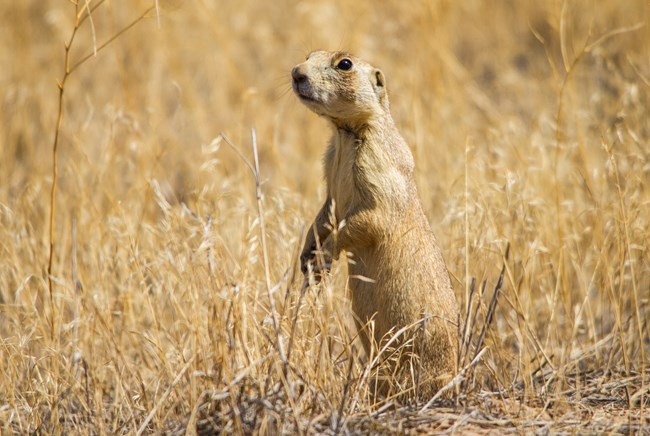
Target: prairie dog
x,y
397,275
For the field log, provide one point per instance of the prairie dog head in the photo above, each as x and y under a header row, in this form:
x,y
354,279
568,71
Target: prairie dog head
x,y
341,87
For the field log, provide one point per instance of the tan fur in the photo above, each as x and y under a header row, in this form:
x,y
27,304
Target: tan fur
x,y
397,272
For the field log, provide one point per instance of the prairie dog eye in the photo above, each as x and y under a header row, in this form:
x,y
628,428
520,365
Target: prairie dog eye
x,y
344,64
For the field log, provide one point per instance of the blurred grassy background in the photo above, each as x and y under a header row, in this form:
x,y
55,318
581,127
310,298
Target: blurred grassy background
x,y
529,123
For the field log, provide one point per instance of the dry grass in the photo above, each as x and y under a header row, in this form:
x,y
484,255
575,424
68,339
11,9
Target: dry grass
x,y
169,311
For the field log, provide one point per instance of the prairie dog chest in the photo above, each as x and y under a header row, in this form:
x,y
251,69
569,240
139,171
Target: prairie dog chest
x,y
339,171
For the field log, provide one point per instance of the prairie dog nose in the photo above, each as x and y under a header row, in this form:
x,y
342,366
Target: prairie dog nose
x,y
297,75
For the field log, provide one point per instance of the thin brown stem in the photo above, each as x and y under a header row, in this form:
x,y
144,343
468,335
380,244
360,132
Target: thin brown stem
x,y
55,173
111,39
81,14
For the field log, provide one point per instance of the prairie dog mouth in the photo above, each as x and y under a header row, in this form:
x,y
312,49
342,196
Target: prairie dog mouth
x,y
308,98
303,90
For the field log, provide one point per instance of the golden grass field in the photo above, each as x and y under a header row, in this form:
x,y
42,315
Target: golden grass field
x,y
174,304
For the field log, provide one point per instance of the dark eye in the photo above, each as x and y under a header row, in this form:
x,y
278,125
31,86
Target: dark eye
x,y
344,64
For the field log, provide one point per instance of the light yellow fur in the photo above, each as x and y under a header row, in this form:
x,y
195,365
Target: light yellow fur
x,y
397,273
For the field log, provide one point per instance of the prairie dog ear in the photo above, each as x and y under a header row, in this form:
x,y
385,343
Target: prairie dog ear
x,y
379,77
378,83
